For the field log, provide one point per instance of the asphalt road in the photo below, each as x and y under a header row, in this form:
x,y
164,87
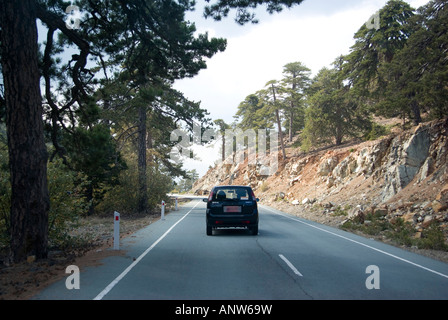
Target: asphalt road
x,y
290,259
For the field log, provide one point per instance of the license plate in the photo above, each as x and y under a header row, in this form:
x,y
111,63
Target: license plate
x,y
232,209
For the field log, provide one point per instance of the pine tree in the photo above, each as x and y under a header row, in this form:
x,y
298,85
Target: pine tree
x,y
294,85
333,112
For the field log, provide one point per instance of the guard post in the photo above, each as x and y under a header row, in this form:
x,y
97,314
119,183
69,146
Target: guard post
x,y
116,230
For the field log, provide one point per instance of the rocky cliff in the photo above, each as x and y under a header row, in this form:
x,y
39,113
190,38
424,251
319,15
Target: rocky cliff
x,y
402,175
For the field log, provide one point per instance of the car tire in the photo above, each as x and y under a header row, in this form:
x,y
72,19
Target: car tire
x,y
254,230
209,230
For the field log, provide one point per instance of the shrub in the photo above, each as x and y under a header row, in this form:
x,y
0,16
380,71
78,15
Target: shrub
x,y
67,201
376,132
401,232
124,196
264,186
432,238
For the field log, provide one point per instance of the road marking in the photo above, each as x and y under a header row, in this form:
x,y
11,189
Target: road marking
x,y
290,265
126,271
360,243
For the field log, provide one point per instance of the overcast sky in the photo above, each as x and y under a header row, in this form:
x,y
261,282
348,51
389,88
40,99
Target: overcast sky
x,y
314,33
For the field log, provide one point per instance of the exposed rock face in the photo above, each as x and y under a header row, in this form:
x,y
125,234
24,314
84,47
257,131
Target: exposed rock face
x,y
404,161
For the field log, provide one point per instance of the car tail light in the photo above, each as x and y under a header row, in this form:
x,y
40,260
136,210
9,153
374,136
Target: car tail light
x,y
210,196
253,194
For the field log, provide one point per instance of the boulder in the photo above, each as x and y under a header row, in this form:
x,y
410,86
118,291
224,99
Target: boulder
x,y
427,220
327,166
294,180
345,168
439,206
357,214
442,196
404,161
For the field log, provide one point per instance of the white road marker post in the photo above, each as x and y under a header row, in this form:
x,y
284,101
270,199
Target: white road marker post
x,y
163,210
116,230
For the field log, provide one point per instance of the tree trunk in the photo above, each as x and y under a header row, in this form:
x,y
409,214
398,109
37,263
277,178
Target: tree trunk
x,y
90,199
417,117
339,135
223,151
279,125
291,116
142,182
27,152
291,121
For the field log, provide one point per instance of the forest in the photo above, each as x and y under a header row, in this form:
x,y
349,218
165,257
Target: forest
x,y
86,113
87,106
396,70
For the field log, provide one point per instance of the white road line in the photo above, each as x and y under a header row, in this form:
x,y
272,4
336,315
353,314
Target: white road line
x,y
360,243
126,271
290,265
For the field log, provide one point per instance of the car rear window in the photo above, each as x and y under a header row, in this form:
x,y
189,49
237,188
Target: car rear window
x,y
231,193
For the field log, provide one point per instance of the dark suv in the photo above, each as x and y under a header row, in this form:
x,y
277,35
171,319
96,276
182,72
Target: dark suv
x,y
232,206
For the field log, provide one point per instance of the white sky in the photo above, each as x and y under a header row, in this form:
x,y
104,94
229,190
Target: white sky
x,y
314,33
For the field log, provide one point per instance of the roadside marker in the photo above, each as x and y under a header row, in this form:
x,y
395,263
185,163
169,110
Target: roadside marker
x,y
116,230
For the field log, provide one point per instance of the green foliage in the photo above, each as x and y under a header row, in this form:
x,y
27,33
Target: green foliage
x,y
186,184
376,131
397,70
419,73
400,231
339,211
255,113
67,201
374,48
432,237
400,69
93,152
221,8
295,83
124,198
333,113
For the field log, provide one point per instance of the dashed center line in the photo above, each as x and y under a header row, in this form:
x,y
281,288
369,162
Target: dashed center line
x,y
290,265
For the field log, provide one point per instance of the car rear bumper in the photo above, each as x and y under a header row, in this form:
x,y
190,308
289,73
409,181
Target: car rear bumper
x,y
228,221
